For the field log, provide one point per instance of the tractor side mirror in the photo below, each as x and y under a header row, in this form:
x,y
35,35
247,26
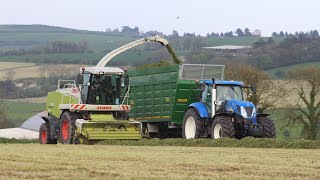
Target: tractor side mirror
x,y
203,87
253,89
80,79
126,80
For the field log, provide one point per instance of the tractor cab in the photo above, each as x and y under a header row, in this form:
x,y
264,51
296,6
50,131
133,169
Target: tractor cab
x,y
226,97
102,85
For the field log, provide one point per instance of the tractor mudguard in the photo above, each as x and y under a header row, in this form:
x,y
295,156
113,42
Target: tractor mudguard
x,y
54,126
200,108
262,115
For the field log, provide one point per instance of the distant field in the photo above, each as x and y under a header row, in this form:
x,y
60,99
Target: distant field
x,y
287,68
10,65
18,112
30,39
24,70
35,161
125,59
36,100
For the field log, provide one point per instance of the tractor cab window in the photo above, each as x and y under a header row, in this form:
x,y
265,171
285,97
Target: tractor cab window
x,y
206,94
225,92
101,90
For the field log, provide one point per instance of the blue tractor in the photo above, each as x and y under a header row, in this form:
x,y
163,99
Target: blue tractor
x,y
222,112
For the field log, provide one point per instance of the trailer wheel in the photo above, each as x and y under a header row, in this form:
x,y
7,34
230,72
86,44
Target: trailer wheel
x,y
44,134
222,127
269,128
191,127
67,127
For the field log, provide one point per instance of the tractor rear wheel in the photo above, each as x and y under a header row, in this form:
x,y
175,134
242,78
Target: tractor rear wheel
x,y
222,127
44,134
192,125
269,128
67,127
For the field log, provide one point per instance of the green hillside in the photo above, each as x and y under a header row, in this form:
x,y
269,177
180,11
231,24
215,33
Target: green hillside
x,y
285,69
98,42
30,36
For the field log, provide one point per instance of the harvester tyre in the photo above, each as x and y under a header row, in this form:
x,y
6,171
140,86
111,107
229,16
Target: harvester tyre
x,y
222,127
269,129
67,127
44,134
192,125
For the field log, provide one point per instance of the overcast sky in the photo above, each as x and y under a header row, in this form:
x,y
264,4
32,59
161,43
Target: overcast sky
x,y
199,16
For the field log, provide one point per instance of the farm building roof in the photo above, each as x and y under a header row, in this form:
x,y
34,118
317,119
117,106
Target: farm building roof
x,y
228,47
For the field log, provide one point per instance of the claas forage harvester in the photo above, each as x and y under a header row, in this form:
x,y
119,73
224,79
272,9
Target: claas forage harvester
x,y
95,106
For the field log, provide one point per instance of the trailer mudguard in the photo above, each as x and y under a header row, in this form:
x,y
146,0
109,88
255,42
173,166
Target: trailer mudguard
x,y
201,109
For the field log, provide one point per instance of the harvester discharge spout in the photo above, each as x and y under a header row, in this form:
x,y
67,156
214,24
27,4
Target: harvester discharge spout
x,y
159,39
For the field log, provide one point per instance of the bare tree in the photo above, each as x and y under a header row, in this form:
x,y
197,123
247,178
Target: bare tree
x,y
9,75
268,92
307,109
4,122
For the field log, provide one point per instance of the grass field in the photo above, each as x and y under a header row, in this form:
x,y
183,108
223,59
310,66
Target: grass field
x,y
36,100
9,65
25,70
18,112
30,39
287,68
34,161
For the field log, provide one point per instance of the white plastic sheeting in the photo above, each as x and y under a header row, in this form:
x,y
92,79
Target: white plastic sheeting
x,y
28,130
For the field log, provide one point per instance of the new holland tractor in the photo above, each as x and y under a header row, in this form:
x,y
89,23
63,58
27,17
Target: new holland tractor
x,y
223,112
95,106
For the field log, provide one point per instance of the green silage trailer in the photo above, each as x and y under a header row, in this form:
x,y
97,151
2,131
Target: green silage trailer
x,y
160,96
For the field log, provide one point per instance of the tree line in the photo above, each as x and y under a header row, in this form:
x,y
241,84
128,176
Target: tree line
x,y
137,32
310,34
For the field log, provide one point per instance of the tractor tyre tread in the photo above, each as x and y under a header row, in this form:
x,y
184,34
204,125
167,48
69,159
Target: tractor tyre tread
x,y
199,126
72,117
269,128
46,127
227,125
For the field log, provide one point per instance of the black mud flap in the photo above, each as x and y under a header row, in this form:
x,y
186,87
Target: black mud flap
x,y
54,126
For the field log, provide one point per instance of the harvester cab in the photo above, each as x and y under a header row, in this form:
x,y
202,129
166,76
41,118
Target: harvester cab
x,y
102,85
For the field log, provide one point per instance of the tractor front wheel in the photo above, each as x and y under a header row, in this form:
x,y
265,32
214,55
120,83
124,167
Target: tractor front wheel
x,y
191,127
222,127
67,127
269,129
44,134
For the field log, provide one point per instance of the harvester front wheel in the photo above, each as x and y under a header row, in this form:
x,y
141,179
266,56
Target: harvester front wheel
x,y
67,127
269,128
44,134
192,125
222,127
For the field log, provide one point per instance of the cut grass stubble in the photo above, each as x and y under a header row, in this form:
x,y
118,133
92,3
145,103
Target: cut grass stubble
x,y
20,161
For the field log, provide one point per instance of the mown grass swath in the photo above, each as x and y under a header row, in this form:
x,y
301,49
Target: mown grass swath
x,y
225,142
